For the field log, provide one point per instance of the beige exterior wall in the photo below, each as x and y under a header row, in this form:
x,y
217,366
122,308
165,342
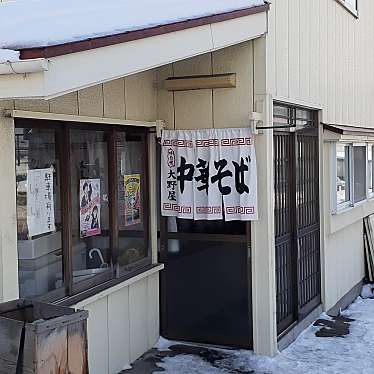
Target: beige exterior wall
x,y
320,56
218,108
132,98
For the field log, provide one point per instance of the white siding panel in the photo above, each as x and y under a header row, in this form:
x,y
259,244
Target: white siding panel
x,y
281,36
323,56
305,38
330,104
320,54
138,319
315,71
153,309
271,51
98,336
347,245
294,48
119,330
338,67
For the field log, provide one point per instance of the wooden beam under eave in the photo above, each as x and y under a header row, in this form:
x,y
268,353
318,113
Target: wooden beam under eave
x,y
201,82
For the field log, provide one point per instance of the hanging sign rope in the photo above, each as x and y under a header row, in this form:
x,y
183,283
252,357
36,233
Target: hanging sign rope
x,y
209,174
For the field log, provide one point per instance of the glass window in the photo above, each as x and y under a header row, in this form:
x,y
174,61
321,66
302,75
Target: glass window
x,y
132,187
39,223
92,180
282,118
370,170
342,173
359,173
90,231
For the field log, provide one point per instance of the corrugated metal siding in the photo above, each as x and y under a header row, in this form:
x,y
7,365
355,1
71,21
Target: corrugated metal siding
x,y
320,54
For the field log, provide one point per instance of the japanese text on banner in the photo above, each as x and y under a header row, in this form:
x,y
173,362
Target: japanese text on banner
x,y
209,174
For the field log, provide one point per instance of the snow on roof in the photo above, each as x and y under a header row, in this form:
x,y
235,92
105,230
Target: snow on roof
x,y
41,23
7,55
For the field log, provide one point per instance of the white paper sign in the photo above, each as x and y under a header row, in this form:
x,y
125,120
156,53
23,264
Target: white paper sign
x,y
40,204
209,174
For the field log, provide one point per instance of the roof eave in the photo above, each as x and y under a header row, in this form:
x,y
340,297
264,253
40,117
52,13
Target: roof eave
x,y
85,45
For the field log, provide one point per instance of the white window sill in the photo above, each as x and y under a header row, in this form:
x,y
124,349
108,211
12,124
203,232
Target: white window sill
x,y
118,287
345,207
350,214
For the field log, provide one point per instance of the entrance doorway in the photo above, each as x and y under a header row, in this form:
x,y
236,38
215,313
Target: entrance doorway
x,y
206,284
296,215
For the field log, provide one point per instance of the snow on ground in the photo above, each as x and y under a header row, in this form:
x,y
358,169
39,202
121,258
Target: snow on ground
x,y
353,354
367,291
38,23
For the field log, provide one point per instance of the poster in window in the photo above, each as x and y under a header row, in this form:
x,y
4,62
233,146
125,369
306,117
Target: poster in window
x,y
40,204
132,199
90,202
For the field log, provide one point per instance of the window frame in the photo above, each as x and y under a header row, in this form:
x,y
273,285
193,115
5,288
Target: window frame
x,y
349,8
370,195
353,172
334,198
63,153
335,207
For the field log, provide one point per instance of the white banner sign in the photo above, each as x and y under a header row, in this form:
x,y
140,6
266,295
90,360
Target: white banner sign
x,y
40,205
209,174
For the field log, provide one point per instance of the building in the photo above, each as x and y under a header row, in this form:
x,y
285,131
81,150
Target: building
x,y
299,73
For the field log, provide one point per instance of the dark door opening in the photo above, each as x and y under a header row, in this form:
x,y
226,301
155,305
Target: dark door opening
x,y
206,284
296,215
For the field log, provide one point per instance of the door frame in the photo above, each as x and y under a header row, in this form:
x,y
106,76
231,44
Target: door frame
x,y
297,313
163,258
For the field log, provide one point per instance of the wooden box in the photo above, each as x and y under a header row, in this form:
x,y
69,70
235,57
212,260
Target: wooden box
x,y
38,338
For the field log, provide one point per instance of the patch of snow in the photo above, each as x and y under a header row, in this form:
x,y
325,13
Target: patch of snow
x,y
164,344
367,291
188,364
39,23
309,354
7,55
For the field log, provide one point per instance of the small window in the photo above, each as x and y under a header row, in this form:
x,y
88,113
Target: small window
x,y
342,173
90,204
82,206
354,174
39,224
370,173
132,201
359,173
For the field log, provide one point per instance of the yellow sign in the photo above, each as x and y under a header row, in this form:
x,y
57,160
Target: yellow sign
x,y
132,199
